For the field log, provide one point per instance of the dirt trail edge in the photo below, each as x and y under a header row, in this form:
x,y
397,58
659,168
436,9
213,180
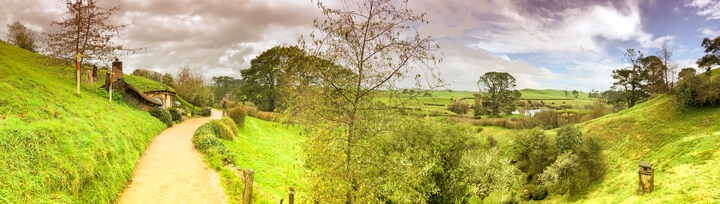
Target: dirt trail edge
x,y
171,170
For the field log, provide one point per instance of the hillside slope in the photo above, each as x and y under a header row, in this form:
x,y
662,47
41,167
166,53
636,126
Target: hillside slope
x,y
60,147
683,147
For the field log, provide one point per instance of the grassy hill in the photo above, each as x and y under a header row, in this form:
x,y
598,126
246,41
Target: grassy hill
x,y
683,147
60,147
275,154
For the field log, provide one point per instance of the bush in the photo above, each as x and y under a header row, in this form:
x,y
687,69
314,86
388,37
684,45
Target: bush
x,y
206,111
539,192
163,115
698,91
548,118
534,148
175,114
224,128
207,142
492,142
568,138
237,114
459,108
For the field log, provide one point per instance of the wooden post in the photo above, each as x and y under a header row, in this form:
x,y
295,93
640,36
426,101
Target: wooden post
x,y
646,178
248,185
291,195
78,57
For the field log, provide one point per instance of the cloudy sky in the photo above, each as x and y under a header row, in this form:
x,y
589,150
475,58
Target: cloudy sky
x,y
559,44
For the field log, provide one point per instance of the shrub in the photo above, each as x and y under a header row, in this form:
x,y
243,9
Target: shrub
x,y
539,192
535,148
459,108
568,138
163,115
548,118
224,131
175,114
206,111
492,142
207,142
698,91
237,114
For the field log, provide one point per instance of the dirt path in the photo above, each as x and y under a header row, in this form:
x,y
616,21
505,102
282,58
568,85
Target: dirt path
x,y
172,171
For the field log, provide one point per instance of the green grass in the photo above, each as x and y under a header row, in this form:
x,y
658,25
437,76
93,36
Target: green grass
x,y
60,147
144,84
275,153
682,146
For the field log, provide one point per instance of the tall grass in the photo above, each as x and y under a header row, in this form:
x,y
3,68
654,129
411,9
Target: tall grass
x,y
60,147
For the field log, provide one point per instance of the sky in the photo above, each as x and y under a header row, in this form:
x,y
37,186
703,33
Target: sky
x,y
544,44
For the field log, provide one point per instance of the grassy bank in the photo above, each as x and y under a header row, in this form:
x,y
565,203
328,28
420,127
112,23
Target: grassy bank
x,y
683,147
60,147
275,154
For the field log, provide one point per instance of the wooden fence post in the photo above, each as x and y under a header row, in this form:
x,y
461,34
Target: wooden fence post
x,y
248,185
291,195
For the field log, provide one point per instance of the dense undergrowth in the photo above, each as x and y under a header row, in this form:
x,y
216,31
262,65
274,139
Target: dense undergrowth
x,y
60,147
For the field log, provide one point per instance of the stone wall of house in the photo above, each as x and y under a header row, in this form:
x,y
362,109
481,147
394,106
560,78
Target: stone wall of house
x,y
167,98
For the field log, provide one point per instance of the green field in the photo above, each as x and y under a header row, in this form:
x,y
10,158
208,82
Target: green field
x,y
60,147
275,153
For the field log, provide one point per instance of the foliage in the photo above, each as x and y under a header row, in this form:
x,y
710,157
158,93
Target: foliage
x,y
686,73
238,116
487,172
163,115
496,88
224,128
263,83
712,54
563,174
85,31
698,91
533,151
192,88
459,108
539,192
207,141
367,46
548,118
22,36
568,138
175,115
59,147
225,86
420,161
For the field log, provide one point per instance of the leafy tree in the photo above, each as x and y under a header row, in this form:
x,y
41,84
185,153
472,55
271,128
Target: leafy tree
x,y
496,88
226,86
655,71
686,73
192,88
167,79
263,83
86,30
576,94
630,80
712,54
22,36
368,45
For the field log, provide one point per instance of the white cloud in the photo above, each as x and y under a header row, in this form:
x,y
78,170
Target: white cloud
x,y
709,32
708,8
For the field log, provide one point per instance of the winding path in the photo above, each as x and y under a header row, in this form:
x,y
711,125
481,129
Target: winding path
x,y
171,170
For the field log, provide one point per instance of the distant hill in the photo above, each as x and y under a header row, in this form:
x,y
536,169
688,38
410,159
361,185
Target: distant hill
x,y
60,147
683,147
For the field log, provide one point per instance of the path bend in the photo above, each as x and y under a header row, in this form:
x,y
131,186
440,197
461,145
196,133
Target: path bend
x,y
171,170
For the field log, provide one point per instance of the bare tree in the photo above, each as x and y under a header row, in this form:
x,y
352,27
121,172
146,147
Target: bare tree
x,y
670,67
87,31
22,36
371,45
